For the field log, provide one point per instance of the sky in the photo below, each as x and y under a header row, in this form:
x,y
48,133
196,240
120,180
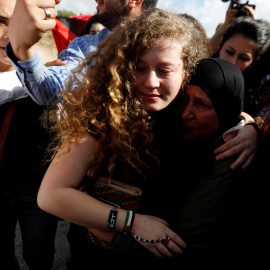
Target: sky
x,y
209,12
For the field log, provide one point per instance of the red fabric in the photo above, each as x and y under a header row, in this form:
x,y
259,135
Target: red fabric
x,y
79,22
63,34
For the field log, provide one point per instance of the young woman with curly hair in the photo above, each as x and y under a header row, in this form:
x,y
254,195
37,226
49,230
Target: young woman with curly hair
x,y
110,118
107,128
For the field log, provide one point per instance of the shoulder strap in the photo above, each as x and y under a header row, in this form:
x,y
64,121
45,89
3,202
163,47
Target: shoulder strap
x,y
5,126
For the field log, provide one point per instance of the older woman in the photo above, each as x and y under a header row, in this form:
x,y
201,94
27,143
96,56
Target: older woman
x,y
198,194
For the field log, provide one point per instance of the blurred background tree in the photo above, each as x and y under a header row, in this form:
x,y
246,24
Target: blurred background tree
x,y
65,13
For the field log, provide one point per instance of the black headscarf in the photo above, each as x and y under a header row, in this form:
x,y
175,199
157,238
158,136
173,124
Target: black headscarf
x,y
224,84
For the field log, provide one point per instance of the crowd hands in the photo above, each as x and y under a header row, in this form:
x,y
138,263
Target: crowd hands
x,y
155,93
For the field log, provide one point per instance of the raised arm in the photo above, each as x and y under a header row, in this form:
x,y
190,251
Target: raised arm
x,y
41,83
59,196
216,38
29,24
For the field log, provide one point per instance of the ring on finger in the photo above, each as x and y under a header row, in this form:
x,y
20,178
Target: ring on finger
x,y
47,13
166,241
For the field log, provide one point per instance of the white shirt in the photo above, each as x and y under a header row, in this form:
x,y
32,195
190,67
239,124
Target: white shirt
x,y
10,87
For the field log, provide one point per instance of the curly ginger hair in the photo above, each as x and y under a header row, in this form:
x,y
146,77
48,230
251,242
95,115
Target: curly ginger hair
x,y
100,96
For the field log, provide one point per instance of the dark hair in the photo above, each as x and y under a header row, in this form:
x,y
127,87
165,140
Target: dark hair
x,y
266,25
149,4
256,30
92,20
259,32
223,82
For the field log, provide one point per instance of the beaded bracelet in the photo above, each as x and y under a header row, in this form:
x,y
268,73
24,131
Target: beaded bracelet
x,y
163,241
128,229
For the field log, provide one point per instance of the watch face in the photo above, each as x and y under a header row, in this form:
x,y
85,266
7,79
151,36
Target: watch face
x,y
112,219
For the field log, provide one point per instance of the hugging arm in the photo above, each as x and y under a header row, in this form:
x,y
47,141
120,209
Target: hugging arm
x,y
66,172
243,142
200,221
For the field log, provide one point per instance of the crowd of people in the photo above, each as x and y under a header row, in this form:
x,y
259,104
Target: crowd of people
x,y
146,99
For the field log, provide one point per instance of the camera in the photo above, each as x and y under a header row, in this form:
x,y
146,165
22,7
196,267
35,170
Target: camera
x,y
240,7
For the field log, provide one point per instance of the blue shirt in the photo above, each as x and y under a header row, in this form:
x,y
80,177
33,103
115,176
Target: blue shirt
x,y
45,83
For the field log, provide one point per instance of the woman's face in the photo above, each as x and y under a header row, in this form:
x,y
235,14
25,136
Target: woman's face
x,y
95,28
199,117
238,50
159,74
6,10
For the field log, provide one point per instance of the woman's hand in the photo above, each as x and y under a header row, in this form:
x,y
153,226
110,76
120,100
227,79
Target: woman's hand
x,y
151,228
244,143
259,121
251,11
230,14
